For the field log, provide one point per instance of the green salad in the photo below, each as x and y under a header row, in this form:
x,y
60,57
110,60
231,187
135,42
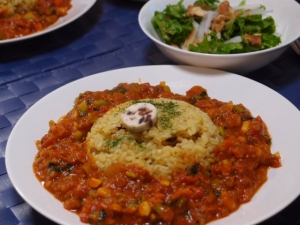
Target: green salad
x,y
209,26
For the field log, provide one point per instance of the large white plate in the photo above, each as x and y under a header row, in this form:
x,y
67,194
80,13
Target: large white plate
x,y
79,7
282,118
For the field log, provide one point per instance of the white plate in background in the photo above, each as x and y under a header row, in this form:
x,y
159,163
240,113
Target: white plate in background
x,y
79,7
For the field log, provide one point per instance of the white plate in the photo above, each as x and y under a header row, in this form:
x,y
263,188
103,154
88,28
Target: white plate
x,y
282,118
79,7
287,19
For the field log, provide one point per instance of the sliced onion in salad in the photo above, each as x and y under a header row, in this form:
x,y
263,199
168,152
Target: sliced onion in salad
x,y
235,39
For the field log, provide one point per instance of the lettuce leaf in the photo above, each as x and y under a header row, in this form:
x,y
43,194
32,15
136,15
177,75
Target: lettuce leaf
x,y
253,24
270,40
172,24
207,4
212,45
269,26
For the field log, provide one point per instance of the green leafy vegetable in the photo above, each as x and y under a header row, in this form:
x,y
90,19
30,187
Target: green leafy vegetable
x,y
172,25
269,40
268,25
212,45
242,3
207,4
255,31
240,26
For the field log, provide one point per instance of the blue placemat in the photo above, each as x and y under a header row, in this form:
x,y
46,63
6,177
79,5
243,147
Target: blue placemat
x,y
107,37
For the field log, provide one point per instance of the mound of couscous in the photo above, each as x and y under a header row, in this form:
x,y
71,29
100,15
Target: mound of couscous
x,y
10,7
182,136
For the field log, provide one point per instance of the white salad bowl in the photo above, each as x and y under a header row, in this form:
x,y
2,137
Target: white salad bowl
x,y
287,19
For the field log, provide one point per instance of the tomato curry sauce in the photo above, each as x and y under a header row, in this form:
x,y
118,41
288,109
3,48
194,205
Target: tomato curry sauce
x,y
130,194
41,16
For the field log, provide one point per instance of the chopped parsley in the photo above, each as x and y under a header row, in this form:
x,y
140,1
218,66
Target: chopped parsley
x,y
113,143
56,168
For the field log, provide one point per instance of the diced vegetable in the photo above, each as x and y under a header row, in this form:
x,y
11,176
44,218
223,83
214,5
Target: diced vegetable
x,y
144,208
245,126
104,192
101,102
165,183
131,174
29,16
116,207
94,183
78,134
82,107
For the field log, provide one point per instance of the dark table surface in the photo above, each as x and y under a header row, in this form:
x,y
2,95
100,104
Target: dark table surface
x,y
107,37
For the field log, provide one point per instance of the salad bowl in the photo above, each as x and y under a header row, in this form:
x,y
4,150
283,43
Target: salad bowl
x,y
286,19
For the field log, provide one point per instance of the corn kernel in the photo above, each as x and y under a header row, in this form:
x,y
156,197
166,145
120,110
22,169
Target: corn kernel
x,y
131,174
104,192
242,139
144,208
245,126
165,183
226,162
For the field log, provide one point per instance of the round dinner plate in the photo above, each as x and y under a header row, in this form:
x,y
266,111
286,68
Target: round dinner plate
x,y
281,117
79,7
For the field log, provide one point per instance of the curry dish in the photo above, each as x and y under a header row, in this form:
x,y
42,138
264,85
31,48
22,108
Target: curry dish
x,y
17,21
130,194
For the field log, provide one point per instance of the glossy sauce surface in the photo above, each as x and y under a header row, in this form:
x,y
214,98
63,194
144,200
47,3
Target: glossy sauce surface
x,y
129,194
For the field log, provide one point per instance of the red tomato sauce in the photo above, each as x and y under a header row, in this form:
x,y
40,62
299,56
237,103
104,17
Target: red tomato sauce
x,y
130,194
41,16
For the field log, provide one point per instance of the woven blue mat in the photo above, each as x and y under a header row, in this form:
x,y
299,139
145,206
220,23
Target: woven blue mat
x,y
107,37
